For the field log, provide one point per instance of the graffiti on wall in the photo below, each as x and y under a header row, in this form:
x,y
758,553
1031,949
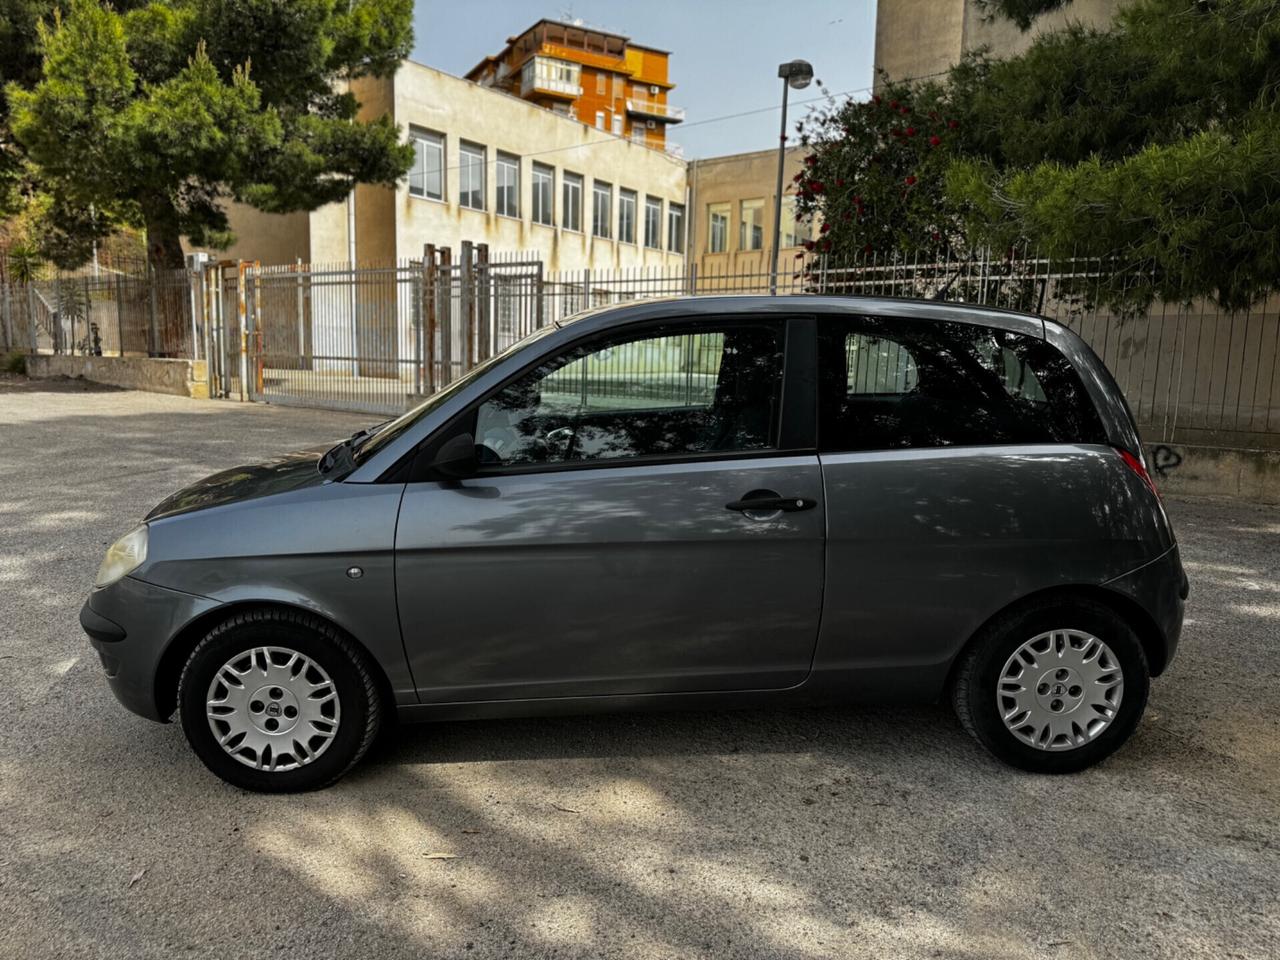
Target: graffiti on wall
x,y
1165,459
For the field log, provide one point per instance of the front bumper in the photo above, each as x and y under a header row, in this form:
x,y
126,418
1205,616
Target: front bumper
x,y
130,624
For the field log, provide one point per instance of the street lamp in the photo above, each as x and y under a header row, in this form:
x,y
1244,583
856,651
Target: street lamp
x,y
797,74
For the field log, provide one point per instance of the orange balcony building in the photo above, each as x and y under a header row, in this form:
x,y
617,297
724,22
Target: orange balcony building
x,y
602,79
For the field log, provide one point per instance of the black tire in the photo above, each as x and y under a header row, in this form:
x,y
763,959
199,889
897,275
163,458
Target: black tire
x,y
346,664
973,691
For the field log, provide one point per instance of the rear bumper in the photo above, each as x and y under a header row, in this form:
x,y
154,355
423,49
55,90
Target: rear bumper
x,y
130,624
1161,589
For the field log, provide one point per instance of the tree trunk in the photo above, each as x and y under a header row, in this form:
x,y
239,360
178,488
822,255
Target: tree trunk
x,y
164,240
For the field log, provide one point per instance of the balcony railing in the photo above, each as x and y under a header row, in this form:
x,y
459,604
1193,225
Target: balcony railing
x,y
658,111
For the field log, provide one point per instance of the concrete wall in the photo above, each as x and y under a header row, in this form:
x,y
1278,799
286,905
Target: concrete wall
x,y
733,179
921,38
183,378
1188,470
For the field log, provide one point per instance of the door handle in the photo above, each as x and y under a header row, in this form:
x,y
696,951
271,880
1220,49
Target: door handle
x,y
762,504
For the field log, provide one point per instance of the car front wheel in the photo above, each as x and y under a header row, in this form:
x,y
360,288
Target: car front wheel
x,y
1053,687
278,701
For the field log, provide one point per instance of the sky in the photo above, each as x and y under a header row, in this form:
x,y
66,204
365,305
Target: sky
x,y
724,53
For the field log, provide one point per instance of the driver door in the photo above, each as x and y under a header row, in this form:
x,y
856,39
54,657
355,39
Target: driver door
x,y
603,547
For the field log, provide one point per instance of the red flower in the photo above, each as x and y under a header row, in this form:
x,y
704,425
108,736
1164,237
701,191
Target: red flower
x,y
894,104
934,141
935,235
817,186
808,244
953,124
933,114
826,244
810,160
840,182
909,181
904,111
799,256
876,98
857,199
894,131
798,177
826,227
911,131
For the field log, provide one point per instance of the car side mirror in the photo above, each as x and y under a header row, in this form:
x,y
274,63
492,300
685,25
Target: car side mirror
x,y
456,458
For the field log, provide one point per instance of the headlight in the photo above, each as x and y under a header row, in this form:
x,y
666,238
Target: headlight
x,y
123,557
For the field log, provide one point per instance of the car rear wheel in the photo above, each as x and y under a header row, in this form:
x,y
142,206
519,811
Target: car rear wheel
x,y
278,701
1053,687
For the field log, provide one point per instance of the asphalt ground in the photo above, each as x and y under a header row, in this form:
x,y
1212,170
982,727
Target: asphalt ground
x,y
820,833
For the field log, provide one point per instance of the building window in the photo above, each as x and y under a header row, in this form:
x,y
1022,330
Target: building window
x,y
601,202
675,228
795,231
426,178
751,226
544,185
617,124
653,223
508,199
600,124
627,216
471,175
600,82
571,209
718,227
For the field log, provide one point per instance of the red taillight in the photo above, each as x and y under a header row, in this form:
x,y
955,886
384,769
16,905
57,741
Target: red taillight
x,y
1135,464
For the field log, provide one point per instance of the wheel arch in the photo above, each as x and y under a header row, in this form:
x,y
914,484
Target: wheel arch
x,y
1153,641
176,652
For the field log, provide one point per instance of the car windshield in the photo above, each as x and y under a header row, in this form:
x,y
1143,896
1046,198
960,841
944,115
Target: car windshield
x,y
394,428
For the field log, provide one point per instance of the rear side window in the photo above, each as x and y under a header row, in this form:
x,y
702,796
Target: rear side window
x,y
898,384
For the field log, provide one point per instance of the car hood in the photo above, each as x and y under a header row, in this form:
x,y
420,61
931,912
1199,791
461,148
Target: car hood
x,y
292,471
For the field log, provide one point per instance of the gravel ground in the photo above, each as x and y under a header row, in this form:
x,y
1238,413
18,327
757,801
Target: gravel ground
x,y
877,833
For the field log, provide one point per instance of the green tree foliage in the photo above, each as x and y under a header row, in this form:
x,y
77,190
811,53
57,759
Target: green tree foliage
x,y
1021,12
1154,144
158,113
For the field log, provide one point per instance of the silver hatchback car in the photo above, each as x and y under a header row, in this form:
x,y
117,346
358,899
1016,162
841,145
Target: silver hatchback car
x,y
696,502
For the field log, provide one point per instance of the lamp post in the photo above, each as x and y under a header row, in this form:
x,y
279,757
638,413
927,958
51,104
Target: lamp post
x,y
796,74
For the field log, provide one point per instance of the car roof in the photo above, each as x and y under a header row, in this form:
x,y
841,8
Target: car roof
x,y
707,305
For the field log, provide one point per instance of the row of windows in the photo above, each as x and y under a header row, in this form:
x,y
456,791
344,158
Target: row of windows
x,y
427,179
883,385
795,231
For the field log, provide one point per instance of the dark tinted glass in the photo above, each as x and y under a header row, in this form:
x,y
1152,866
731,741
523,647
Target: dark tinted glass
x,y
890,384
669,392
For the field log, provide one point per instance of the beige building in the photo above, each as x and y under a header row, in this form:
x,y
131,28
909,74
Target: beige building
x,y
733,201
490,168
922,38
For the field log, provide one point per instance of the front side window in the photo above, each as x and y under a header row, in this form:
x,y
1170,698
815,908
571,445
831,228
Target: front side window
x,y
508,174
653,223
675,228
544,179
571,212
601,208
426,178
751,227
471,175
666,393
627,216
893,384
717,227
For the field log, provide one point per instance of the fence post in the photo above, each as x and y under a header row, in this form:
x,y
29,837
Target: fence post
x,y
428,317
467,254
586,288
31,317
692,278
539,307
298,309
153,335
446,315
242,311
9,342
484,310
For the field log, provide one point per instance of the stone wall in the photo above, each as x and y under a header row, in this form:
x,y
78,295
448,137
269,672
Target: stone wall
x,y
183,378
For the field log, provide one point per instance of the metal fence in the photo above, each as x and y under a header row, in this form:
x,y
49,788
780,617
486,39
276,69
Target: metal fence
x,y
375,337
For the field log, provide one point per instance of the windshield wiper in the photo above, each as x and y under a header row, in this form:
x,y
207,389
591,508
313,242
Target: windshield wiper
x,y
349,447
